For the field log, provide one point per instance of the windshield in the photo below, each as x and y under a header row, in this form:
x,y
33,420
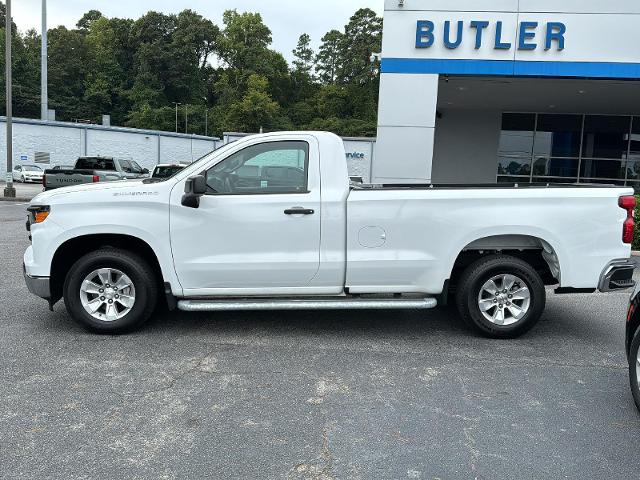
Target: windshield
x,y
31,168
208,156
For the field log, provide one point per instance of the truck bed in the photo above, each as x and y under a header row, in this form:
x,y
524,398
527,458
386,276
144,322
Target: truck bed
x,y
422,229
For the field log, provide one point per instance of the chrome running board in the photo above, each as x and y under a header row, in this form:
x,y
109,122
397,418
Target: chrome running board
x,y
306,304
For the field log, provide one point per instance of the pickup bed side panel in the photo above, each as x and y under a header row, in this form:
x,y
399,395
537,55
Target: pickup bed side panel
x,y
408,240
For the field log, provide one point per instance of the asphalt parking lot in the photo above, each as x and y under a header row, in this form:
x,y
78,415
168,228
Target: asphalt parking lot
x,y
311,395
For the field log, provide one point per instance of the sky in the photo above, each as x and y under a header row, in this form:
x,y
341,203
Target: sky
x,y
286,18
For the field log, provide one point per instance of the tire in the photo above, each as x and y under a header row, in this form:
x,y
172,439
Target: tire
x,y
633,368
22,180
521,306
120,314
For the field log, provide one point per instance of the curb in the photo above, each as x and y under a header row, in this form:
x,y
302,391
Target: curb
x,y
16,199
635,253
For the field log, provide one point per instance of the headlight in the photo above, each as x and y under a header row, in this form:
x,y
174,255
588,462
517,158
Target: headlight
x,y
38,214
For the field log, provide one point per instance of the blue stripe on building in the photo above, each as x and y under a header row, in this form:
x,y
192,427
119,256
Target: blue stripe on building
x,y
519,68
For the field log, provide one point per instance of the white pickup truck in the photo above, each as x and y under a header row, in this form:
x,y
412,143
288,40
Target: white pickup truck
x,y
271,222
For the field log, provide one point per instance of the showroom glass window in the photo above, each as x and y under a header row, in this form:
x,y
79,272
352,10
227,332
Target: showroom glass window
x,y
516,146
633,159
575,148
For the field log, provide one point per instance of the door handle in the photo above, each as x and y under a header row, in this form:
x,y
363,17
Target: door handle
x,y
299,211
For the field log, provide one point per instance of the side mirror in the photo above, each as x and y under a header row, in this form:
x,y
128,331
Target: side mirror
x,y
145,171
194,188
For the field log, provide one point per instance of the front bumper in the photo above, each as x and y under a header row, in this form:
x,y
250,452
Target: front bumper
x,y
618,275
40,286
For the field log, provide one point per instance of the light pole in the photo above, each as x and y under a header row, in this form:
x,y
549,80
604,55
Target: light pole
x,y
44,89
186,118
177,104
9,191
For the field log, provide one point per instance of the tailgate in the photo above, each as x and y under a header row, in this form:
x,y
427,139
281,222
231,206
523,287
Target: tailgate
x,y
66,178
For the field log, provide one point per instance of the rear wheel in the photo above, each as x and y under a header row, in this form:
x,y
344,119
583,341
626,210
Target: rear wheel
x,y
110,291
501,296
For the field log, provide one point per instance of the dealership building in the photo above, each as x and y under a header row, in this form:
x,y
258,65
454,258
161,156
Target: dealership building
x,y
479,91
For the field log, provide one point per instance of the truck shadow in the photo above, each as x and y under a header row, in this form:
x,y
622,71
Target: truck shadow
x,y
565,318
356,323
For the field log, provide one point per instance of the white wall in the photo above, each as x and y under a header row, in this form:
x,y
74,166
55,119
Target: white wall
x,y
406,122
466,146
141,148
65,142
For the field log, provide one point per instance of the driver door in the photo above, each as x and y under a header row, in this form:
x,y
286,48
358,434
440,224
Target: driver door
x,y
257,230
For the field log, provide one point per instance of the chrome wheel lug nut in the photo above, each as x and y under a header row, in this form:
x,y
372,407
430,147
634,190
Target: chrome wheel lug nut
x,y
101,290
110,302
510,296
102,298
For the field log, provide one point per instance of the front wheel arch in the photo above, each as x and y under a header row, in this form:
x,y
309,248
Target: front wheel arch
x,y
72,250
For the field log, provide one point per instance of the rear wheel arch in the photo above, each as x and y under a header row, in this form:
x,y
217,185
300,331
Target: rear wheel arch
x,y
74,249
539,253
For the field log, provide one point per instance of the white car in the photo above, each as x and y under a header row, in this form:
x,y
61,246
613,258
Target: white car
x,y
27,174
271,222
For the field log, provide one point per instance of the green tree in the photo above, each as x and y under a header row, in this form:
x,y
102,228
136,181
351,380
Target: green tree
x,y
244,40
135,70
303,54
68,62
106,79
328,57
363,39
88,19
255,110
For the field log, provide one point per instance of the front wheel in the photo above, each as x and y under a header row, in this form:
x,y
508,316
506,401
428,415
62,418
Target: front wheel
x,y
634,368
22,179
501,296
110,291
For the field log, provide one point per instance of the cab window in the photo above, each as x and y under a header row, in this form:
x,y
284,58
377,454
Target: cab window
x,y
126,166
266,168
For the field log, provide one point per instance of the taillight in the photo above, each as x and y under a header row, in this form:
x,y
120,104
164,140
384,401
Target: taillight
x,y
96,179
629,204
630,312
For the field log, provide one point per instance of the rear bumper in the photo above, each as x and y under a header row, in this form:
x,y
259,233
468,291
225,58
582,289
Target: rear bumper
x,y
618,275
40,286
